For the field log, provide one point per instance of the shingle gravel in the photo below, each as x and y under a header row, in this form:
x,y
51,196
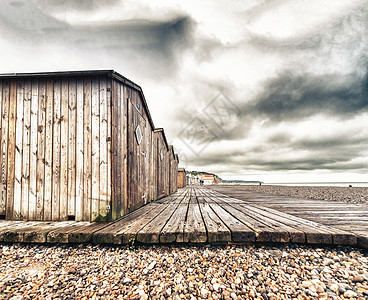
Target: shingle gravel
x,y
344,194
187,272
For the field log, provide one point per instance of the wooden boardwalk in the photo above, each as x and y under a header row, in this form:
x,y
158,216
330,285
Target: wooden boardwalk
x,y
192,215
348,217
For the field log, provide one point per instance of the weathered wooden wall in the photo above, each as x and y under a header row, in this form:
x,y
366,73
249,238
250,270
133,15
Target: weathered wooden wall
x,y
159,161
139,154
54,148
70,148
172,170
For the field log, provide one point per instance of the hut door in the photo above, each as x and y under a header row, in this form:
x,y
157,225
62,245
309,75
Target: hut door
x,y
138,159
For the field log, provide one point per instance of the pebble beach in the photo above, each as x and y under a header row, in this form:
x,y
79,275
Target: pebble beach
x,y
329,193
265,272
189,272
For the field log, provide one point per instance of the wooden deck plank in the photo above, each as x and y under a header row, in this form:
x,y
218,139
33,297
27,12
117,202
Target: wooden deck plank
x,y
173,231
85,234
38,233
14,234
8,226
313,235
194,229
239,231
287,233
264,233
130,230
61,234
338,236
217,232
106,235
150,233
318,233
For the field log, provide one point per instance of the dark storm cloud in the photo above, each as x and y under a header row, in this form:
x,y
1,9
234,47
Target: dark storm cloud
x,y
151,46
84,5
291,96
334,151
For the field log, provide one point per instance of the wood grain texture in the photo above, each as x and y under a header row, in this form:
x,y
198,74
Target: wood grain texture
x,y
103,134
4,145
115,161
56,152
95,154
18,159
41,144
87,150
64,153
26,148
72,146
32,205
47,183
79,155
109,195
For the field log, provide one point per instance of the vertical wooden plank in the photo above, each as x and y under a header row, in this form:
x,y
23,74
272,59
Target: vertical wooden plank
x,y
26,147
48,149
103,151
33,153
11,150
4,119
79,177
116,167
41,142
95,124
64,141
17,213
2,205
55,207
72,130
149,179
87,172
130,156
109,149
122,146
125,103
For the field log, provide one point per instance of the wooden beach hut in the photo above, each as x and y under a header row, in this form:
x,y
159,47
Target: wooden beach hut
x,y
160,150
182,178
172,168
75,146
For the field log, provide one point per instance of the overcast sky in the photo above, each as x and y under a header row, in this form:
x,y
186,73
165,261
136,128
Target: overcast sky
x,y
273,90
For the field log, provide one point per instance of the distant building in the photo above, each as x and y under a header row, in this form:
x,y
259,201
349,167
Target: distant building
x,y
207,179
